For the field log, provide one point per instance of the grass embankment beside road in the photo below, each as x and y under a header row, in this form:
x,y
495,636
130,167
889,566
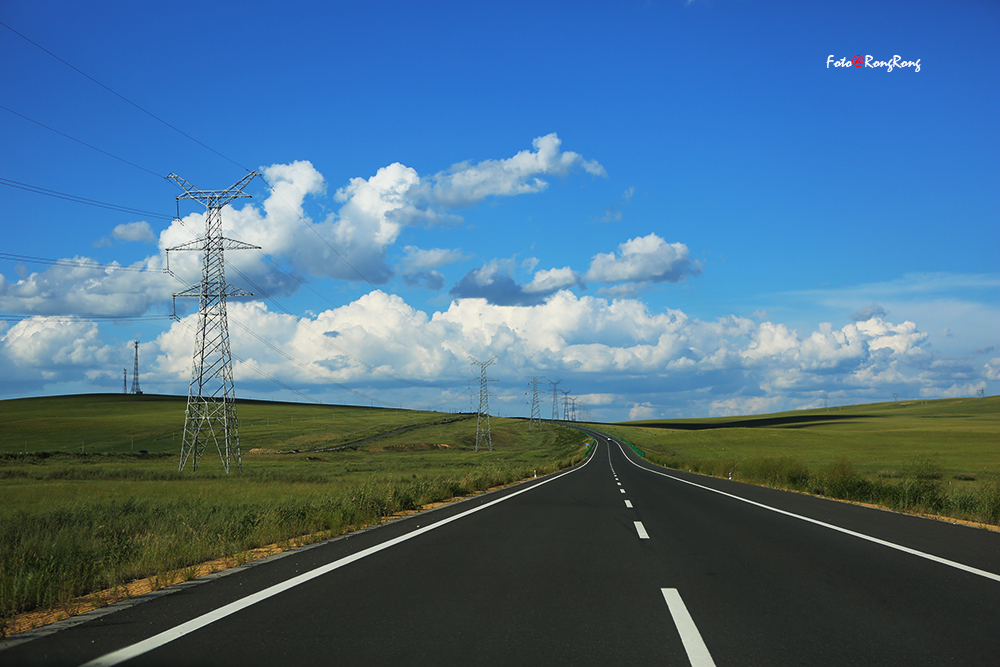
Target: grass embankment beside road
x,y
74,523
938,457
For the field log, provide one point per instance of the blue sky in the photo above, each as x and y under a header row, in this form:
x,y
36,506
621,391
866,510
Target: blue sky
x,y
675,208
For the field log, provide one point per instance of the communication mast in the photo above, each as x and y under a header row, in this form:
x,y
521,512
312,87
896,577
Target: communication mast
x,y
484,403
211,406
135,372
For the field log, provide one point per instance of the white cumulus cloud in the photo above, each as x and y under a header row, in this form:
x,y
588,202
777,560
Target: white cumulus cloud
x,y
644,259
134,231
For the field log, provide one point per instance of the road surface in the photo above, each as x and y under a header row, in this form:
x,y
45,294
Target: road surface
x,y
612,562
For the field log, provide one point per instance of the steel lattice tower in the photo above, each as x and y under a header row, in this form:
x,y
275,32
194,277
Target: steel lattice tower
x,y
211,406
536,406
135,372
484,403
566,393
555,399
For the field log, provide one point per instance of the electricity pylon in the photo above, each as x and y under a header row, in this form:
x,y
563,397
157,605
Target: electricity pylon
x,y
135,372
484,403
211,406
536,406
565,393
555,399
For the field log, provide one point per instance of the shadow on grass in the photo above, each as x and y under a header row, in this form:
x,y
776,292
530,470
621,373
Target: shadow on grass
x,y
795,421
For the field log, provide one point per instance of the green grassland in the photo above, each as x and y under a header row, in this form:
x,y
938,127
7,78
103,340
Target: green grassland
x,y
91,498
937,456
103,423
83,509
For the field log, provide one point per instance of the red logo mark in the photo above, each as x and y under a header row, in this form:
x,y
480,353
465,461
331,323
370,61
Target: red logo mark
x,y
859,61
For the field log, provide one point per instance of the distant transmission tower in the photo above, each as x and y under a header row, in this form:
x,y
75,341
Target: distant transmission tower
x,y
484,403
555,399
124,380
211,406
565,393
135,372
536,406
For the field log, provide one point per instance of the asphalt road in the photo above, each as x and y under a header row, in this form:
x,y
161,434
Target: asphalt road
x,y
612,562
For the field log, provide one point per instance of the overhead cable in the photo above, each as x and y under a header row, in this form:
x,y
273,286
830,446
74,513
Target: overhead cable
x,y
84,143
82,200
122,97
77,264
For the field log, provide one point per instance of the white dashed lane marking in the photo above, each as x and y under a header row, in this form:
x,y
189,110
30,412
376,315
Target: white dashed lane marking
x,y
694,645
639,528
628,504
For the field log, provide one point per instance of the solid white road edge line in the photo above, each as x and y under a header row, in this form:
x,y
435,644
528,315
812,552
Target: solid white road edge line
x,y
875,540
694,645
639,528
179,631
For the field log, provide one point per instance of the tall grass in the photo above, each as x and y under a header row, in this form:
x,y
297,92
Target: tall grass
x,y
48,557
919,488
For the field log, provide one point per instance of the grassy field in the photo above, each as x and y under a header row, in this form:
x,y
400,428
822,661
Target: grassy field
x,y
82,510
937,456
91,498
122,423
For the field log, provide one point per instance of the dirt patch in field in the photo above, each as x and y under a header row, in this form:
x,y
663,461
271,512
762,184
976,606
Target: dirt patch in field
x,y
412,447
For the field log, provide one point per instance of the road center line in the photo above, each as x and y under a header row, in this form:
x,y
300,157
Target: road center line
x,y
628,504
869,538
639,528
694,645
622,490
179,631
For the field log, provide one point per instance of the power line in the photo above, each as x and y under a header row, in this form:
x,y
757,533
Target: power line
x,y
325,339
81,200
84,143
257,369
12,317
410,316
122,97
77,264
306,367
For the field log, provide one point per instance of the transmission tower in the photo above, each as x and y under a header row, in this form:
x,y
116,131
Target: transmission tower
x,y
135,372
565,393
211,406
484,403
536,406
555,399
572,410
124,380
